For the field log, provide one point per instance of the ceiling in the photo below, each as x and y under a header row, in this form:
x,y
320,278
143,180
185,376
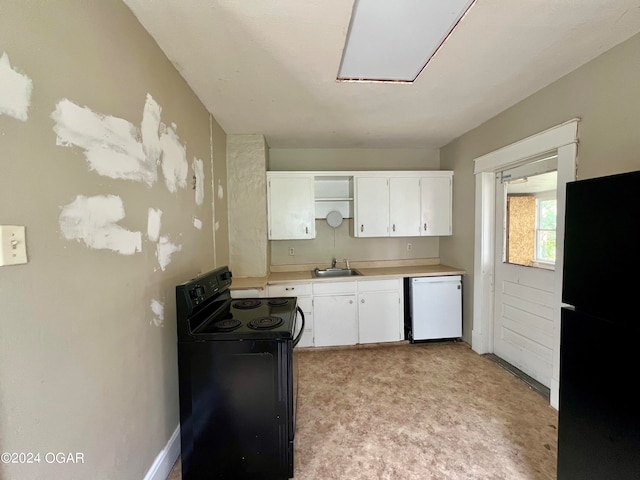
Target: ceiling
x,y
269,66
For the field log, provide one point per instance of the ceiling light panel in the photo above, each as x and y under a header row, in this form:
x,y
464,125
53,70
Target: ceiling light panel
x,y
394,40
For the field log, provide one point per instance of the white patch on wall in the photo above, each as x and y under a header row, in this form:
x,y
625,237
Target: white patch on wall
x,y
174,159
15,91
157,308
220,190
111,144
150,130
197,223
153,224
93,220
164,250
198,173
216,226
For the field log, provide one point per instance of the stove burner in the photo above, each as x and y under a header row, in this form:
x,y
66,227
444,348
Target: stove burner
x,y
278,302
227,324
265,323
247,304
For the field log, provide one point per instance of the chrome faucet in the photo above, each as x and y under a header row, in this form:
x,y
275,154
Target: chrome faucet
x,y
333,263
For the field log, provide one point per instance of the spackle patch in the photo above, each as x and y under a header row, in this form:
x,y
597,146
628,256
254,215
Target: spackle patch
x,y
198,173
110,144
174,160
197,223
157,308
220,190
93,221
150,130
153,224
15,91
164,250
216,226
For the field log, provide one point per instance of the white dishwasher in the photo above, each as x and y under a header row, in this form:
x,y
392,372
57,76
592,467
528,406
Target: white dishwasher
x,y
435,308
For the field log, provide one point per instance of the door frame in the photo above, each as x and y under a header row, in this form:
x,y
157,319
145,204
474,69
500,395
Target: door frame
x,y
562,139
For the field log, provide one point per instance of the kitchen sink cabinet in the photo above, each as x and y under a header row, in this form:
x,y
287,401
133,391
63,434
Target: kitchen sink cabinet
x,y
335,314
291,206
365,311
303,292
380,311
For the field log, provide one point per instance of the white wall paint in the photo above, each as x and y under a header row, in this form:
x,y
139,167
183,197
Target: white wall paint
x,y
110,144
154,221
164,249
15,91
93,221
198,174
174,159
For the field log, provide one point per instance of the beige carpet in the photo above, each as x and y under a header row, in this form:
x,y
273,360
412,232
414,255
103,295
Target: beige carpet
x,y
422,411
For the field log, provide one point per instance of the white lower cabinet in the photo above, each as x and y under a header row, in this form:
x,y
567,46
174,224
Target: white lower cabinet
x,y
366,311
336,320
335,313
380,311
303,292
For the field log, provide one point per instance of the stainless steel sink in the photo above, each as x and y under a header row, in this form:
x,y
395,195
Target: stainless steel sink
x,y
334,272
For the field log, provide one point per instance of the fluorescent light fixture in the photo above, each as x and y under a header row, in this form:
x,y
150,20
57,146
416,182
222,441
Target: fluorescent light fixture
x,y
393,40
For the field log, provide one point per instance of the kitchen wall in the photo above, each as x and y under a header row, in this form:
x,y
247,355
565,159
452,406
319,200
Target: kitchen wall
x,y
106,159
604,94
338,243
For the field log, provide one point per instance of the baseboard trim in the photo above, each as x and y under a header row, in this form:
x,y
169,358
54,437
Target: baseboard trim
x,y
165,460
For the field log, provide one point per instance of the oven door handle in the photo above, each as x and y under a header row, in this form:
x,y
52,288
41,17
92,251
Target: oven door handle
x,y
297,339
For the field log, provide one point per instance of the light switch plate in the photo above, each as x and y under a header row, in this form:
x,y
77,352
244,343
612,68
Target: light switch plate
x,y
13,247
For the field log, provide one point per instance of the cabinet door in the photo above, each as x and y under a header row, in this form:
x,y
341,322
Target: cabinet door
x,y
436,203
291,207
379,317
335,321
371,207
404,207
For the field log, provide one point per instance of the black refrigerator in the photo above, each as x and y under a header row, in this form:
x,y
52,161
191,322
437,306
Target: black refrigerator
x,y
599,404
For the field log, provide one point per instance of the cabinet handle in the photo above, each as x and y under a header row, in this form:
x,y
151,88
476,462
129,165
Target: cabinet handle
x,y
306,230
350,301
362,300
289,288
394,227
362,228
425,226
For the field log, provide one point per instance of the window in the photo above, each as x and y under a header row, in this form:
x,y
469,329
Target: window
x,y
546,210
530,220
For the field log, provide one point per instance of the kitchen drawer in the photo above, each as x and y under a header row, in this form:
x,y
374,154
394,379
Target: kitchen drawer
x,y
379,285
337,288
290,290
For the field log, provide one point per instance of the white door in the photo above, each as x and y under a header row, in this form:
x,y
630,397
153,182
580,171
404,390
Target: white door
x,y
404,207
335,321
371,207
524,295
291,207
379,317
436,206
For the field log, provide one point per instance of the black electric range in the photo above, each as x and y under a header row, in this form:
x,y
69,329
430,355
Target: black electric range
x,y
237,381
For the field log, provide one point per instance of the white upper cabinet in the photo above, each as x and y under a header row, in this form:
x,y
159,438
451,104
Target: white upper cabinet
x,y
291,209
371,207
404,207
436,205
383,204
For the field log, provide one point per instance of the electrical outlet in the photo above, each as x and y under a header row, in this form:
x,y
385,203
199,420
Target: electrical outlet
x,y
292,251
409,247
13,248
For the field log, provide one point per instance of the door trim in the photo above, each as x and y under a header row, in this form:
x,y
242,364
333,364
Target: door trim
x,y
562,139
